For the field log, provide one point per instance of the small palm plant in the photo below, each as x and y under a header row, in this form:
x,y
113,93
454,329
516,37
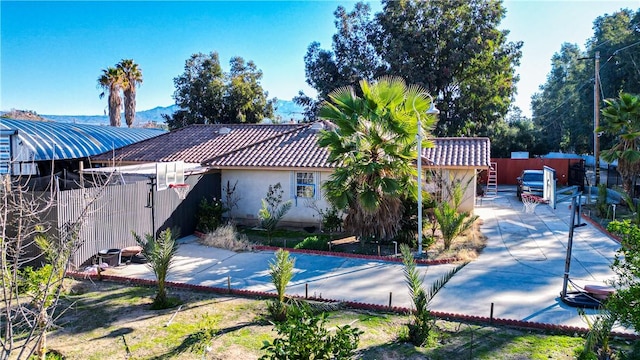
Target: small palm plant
x,y
160,253
281,271
273,209
451,222
596,343
422,323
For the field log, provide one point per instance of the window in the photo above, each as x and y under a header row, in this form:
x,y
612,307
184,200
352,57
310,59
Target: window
x,y
305,185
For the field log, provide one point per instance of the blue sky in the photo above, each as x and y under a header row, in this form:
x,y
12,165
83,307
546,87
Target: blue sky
x,y
53,52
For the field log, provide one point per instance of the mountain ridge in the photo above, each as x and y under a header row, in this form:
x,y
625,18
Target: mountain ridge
x,y
286,109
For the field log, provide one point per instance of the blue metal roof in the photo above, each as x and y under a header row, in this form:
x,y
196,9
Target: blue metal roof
x,y
54,140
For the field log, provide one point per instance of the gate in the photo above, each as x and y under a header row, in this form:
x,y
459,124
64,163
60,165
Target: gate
x,y
577,174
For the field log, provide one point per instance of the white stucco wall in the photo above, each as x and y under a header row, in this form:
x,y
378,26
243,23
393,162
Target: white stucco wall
x,y
464,176
253,185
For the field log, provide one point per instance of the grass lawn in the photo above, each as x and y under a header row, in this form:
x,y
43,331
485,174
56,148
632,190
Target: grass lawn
x,y
107,320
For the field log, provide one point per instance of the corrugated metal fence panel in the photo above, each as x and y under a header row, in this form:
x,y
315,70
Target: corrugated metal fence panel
x,y
121,209
115,212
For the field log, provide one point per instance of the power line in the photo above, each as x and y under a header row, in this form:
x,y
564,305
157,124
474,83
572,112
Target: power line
x,y
589,82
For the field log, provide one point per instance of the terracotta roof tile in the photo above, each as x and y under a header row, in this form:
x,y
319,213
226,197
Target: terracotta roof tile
x,y
295,149
195,143
459,152
281,145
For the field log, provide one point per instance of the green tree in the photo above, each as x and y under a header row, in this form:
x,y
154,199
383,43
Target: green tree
x,y
160,253
132,78
451,48
516,133
621,118
374,143
626,265
245,100
208,95
563,108
112,81
273,209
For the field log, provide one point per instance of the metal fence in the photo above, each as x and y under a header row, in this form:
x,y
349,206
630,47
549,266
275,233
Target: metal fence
x,y
120,210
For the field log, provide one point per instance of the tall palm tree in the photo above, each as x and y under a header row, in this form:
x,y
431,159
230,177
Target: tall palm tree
x,y
374,143
132,79
621,118
111,81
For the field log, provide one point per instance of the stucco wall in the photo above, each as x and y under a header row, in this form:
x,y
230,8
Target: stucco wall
x,y
252,187
466,177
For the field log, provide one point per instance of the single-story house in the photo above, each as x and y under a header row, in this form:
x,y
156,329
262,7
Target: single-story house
x,y
458,159
252,157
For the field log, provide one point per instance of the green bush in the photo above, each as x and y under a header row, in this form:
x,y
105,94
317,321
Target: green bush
x,y
313,243
274,208
422,324
331,220
601,202
304,336
209,214
281,271
31,280
160,253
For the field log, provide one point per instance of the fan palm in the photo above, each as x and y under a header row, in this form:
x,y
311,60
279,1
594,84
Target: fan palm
x,y
132,76
622,119
374,145
160,253
111,81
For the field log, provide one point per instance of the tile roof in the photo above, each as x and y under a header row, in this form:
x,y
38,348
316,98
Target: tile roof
x,y
459,152
195,143
295,149
274,146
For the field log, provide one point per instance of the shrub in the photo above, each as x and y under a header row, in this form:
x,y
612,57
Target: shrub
x,y
209,214
31,280
626,266
281,271
313,243
273,209
304,336
452,223
601,202
422,323
227,237
331,220
160,253
408,232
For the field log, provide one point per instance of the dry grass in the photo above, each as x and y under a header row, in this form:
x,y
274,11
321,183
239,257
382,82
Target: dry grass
x,y
227,237
466,247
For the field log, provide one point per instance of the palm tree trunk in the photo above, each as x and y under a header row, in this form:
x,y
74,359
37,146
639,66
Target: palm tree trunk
x,y
130,106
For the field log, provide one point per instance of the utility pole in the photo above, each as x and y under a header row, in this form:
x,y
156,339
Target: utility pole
x,y
596,119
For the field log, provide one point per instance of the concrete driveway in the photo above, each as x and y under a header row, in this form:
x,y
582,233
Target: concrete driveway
x,y
520,271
